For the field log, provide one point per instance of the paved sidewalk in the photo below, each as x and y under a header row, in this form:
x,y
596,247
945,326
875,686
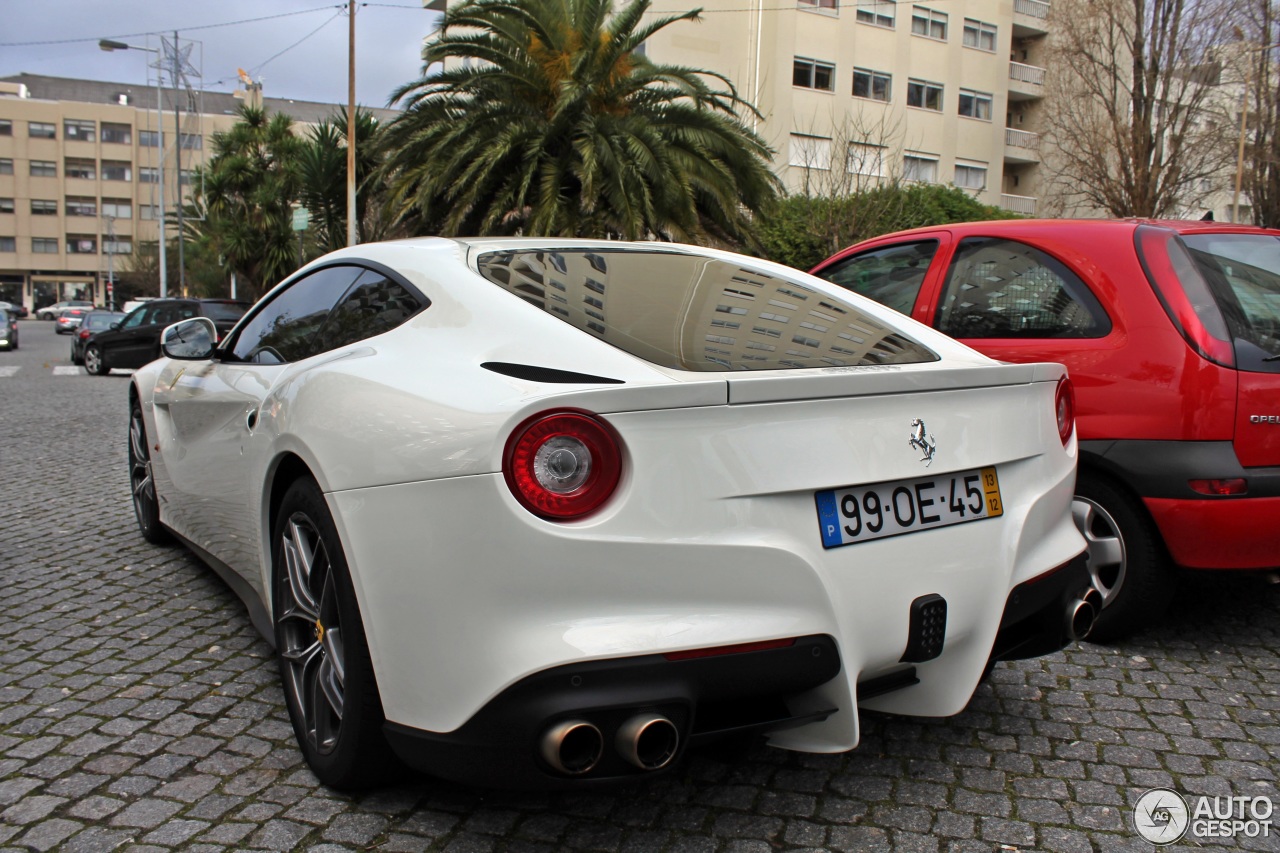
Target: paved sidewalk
x,y
140,711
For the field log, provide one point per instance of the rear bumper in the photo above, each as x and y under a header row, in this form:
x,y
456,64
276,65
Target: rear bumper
x,y
1034,621
1200,532
706,698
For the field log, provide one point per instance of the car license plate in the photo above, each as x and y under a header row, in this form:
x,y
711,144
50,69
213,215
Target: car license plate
x,y
862,513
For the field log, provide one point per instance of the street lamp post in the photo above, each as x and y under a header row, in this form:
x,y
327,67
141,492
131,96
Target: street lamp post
x,y
109,45
1244,115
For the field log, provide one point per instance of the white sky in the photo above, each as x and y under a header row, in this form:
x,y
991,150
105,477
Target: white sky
x,y
388,42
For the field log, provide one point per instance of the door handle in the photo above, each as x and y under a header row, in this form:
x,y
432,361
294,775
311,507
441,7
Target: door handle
x,y
251,420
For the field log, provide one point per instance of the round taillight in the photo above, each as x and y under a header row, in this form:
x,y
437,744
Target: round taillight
x,y
562,465
1064,406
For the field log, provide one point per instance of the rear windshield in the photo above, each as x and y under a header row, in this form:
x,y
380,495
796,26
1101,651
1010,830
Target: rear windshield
x,y
696,313
100,321
1243,271
224,310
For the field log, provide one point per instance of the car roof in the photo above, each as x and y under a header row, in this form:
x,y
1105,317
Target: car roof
x,y
1036,226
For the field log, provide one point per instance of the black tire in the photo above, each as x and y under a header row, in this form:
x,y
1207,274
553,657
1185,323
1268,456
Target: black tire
x,y
94,362
335,709
146,507
1127,557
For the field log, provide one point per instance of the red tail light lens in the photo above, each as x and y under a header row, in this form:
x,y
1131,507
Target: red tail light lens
x,y
1220,488
1064,407
1184,293
84,334
562,465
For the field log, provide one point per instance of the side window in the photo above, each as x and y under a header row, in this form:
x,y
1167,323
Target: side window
x,y
285,328
186,312
891,276
375,305
134,319
1004,289
163,315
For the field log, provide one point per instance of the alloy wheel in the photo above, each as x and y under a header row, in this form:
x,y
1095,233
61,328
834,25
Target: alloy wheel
x,y
310,633
143,485
1105,551
93,360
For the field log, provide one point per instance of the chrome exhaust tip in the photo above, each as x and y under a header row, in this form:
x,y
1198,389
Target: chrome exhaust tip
x,y
648,741
572,747
1081,614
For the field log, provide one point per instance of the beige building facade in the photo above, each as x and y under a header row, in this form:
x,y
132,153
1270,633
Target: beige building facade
x,y
851,93
80,177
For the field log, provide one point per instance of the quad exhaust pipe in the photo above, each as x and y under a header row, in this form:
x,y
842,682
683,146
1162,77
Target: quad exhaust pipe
x,y
648,741
572,747
1082,613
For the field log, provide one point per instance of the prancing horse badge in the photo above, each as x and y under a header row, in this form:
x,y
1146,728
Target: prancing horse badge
x,y
922,441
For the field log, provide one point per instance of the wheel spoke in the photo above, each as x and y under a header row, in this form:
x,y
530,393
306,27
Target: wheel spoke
x,y
1105,552
298,560
331,684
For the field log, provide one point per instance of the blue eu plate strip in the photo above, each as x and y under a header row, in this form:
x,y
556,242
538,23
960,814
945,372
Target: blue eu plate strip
x,y
829,519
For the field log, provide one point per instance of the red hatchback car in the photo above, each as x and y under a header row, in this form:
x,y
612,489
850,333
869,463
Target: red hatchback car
x,y
1171,332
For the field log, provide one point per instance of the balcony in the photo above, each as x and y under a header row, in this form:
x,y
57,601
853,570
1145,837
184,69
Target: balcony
x,y
1025,81
1021,146
1023,204
1030,18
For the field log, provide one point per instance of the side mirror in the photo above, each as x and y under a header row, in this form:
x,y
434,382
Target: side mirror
x,y
115,326
189,340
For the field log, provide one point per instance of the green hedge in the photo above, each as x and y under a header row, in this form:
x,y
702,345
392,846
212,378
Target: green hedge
x,y
803,230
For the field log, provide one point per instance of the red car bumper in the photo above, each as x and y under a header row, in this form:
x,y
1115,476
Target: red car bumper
x,y
1233,533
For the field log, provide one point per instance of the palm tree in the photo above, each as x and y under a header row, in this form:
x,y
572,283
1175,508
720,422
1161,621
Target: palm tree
x,y
250,183
548,120
322,167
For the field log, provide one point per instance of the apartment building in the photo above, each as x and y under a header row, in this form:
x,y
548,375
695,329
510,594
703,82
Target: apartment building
x,y
80,175
946,92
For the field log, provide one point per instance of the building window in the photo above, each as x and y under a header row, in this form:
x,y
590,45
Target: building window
x,y
810,152
120,208
6,127
918,168
971,176
114,170
875,85
43,207
82,244
148,175
979,35
928,23
866,160
121,134
149,212
817,4
925,95
74,128
149,138
6,205
118,246
192,141
6,166
44,245
81,206
85,169
185,177
43,169
812,74
975,104
878,13
41,130
8,244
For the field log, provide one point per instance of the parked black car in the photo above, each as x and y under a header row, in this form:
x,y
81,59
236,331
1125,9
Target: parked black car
x,y
8,329
135,340
90,325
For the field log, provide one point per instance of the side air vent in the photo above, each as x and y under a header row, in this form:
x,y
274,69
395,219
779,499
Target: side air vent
x,y
547,374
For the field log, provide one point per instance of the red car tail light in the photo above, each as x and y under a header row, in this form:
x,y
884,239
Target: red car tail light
x,y
84,334
562,465
1220,488
1184,293
1064,408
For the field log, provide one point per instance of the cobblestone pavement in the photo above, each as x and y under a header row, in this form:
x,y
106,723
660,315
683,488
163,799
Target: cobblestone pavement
x,y
140,711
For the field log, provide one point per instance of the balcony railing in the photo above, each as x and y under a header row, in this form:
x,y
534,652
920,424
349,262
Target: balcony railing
x,y
1031,8
1024,204
1021,139
1024,73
